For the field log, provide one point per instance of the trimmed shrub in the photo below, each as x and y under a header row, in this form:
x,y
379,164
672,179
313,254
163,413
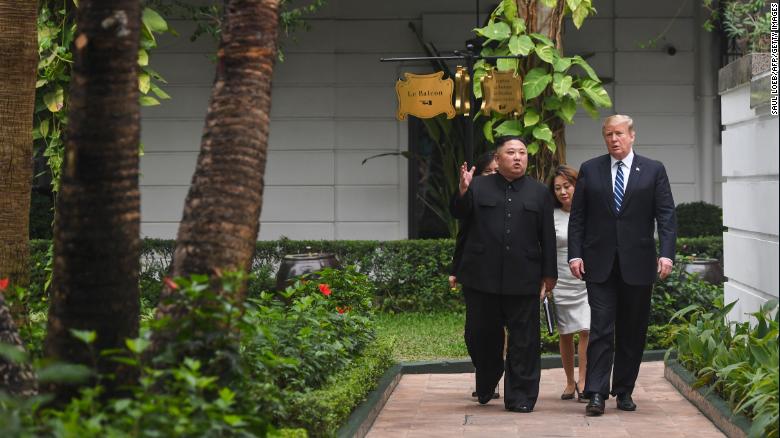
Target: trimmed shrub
x,y
696,219
323,411
408,275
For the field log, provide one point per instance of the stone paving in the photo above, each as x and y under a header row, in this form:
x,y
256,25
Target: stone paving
x,y
439,405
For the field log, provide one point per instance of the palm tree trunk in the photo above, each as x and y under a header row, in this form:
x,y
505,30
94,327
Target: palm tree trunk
x,y
96,236
221,216
19,52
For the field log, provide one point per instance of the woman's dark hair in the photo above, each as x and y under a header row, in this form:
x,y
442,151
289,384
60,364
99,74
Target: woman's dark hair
x,y
484,161
568,173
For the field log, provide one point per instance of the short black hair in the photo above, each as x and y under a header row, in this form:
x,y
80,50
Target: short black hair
x,y
501,140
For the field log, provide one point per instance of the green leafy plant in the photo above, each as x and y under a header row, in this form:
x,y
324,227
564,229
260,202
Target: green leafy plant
x,y
738,360
230,369
745,21
680,290
208,17
56,32
552,89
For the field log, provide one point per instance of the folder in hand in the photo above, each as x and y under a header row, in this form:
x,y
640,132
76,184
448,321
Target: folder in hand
x,y
549,314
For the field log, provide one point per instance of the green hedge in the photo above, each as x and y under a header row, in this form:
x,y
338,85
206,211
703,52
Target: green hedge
x,y
409,275
323,411
699,219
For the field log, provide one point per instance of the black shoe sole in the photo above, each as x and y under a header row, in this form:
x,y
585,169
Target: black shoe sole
x,y
626,408
495,395
592,411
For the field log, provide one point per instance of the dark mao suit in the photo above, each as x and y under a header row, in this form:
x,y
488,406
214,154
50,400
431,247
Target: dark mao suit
x,y
619,254
509,247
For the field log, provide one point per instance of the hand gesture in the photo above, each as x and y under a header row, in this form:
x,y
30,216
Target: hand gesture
x,y
466,175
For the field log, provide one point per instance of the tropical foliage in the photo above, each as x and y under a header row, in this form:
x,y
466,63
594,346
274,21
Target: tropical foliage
x,y
552,87
745,21
738,360
56,31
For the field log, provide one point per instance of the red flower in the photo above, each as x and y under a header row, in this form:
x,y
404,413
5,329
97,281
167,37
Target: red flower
x,y
170,283
325,289
4,283
341,310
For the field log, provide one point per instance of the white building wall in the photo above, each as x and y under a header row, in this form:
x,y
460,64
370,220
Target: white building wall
x,y
334,105
750,202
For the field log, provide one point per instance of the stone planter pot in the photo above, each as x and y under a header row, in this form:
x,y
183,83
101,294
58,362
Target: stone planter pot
x,y
295,265
707,401
708,270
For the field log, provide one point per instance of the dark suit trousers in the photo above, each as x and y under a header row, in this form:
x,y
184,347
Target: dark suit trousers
x,y
618,326
486,316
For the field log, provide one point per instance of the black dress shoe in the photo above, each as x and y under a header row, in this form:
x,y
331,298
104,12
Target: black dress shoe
x,y
484,399
595,406
495,394
524,409
625,403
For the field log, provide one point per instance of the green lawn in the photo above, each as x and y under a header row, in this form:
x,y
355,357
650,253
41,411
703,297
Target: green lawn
x,y
424,336
434,336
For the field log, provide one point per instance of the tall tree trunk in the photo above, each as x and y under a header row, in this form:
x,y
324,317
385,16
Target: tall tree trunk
x,y
19,54
96,236
221,216
549,22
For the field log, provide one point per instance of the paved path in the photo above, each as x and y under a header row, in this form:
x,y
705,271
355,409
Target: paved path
x,y
439,405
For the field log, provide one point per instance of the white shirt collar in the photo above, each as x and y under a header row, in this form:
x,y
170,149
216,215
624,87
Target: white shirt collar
x,y
626,161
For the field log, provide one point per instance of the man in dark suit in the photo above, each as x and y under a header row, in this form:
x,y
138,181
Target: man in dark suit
x,y
619,199
508,256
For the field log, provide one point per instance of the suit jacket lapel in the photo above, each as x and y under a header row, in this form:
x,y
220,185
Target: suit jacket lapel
x,y
606,179
633,178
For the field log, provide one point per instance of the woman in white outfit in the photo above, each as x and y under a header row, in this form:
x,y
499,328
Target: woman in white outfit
x,y
570,295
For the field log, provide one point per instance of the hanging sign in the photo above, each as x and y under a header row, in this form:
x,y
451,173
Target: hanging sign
x,y
462,91
502,92
424,96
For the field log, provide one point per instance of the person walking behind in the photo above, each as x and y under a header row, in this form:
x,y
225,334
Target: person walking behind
x,y
619,199
570,295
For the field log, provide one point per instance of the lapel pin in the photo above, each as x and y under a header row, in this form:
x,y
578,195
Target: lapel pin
x,y
637,169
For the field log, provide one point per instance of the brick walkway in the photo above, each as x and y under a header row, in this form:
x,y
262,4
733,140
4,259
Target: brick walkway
x,y
439,405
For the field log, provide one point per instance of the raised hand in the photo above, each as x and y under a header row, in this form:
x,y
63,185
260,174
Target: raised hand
x,y
466,175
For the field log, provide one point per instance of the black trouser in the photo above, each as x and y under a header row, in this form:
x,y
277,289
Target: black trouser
x,y
618,326
486,316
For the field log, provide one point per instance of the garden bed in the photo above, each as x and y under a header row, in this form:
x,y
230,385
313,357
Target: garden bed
x,y
707,401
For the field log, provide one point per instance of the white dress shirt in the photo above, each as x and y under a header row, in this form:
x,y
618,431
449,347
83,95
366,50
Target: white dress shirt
x,y
627,162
